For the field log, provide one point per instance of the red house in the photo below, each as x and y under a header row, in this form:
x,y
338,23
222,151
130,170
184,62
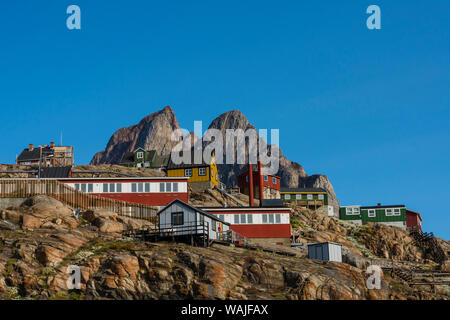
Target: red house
x,y
153,191
413,219
270,183
267,225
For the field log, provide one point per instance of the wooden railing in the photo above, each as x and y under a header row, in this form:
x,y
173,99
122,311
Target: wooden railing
x,y
24,188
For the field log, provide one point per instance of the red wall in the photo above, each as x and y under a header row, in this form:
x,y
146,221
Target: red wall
x,y
244,184
263,230
413,220
151,199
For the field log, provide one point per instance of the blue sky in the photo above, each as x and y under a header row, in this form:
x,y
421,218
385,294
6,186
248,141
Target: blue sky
x,y
370,109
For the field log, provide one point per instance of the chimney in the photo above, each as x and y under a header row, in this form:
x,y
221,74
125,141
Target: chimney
x,y
379,204
52,144
250,182
261,181
30,147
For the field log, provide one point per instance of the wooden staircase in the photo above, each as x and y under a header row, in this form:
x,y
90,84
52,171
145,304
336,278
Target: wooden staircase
x,y
428,244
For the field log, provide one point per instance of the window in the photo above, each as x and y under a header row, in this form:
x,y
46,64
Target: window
x,y
175,187
105,187
202,171
287,196
140,187
298,196
264,218
119,187
309,197
112,187
236,218
397,212
352,211
321,196
83,187
246,178
90,188
77,186
265,178
278,218
270,218
243,218
274,180
177,218
133,187
371,213
222,217
249,218
188,172
147,187
214,225
168,187
161,187
140,155
389,212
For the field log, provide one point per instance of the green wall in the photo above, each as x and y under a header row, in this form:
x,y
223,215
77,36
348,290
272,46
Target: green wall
x,y
380,215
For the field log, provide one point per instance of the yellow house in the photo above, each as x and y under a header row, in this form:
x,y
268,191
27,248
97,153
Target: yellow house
x,y
201,176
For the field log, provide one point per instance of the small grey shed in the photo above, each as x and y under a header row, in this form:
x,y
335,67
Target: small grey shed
x,y
327,251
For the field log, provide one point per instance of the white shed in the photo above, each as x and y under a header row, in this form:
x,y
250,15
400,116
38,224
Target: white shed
x,y
328,251
181,219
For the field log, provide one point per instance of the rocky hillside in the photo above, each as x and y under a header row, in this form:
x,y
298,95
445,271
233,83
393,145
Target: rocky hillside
x,y
154,131
41,238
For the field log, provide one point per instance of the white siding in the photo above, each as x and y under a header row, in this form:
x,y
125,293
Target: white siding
x,y
126,187
257,218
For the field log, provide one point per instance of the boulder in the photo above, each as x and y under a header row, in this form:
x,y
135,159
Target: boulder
x,y
48,255
108,226
30,222
46,207
354,260
11,216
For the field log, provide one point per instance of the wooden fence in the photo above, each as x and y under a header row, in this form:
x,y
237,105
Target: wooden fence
x,y
24,188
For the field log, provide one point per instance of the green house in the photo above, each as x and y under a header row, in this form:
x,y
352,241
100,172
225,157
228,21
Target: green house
x,y
392,215
138,158
308,197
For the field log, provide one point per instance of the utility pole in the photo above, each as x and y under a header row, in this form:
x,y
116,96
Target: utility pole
x,y
40,159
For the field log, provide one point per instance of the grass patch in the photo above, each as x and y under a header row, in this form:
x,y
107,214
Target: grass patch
x,y
295,223
68,295
9,266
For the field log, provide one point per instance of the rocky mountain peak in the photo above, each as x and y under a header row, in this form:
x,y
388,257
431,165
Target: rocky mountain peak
x,y
153,132
233,119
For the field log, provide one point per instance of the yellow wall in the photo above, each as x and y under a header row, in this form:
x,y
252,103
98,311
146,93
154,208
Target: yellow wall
x,y
195,177
212,174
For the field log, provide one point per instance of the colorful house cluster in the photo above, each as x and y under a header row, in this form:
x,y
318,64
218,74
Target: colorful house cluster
x,y
391,215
